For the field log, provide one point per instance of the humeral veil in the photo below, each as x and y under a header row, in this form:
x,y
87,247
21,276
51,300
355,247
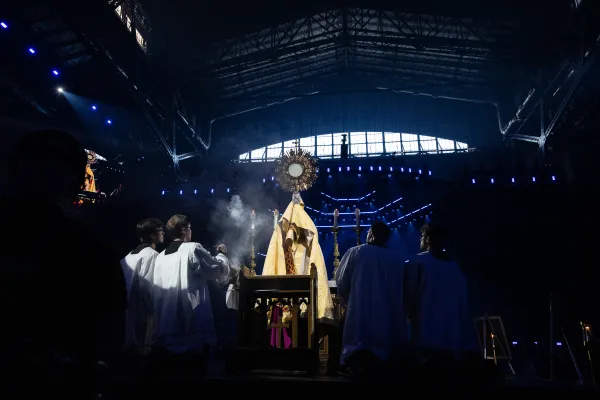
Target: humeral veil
x,y
294,247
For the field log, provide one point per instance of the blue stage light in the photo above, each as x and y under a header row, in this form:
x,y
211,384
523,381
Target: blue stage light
x,y
3,24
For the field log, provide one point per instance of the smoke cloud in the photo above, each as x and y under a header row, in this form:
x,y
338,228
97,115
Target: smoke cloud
x,y
233,219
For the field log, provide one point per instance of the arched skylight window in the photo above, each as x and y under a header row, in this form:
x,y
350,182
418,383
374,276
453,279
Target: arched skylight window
x,y
360,144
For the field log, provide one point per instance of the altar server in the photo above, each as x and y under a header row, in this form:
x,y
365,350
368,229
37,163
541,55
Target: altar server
x,y
182,301
370,283
138,269
232,281
230,294
436,300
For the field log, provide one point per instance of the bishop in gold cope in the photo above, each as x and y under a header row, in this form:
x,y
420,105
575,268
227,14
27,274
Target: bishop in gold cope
x,y
294,247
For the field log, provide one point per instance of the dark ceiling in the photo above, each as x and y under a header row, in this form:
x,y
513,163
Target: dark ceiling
x,y
224,57
240,56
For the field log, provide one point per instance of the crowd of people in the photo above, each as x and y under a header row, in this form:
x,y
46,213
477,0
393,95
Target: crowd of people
x,y
182,301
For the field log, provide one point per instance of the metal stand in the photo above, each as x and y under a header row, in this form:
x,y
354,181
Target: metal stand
x,y
586,332
251,271
252,255
336,250
551,338
573,359
493,335
358,230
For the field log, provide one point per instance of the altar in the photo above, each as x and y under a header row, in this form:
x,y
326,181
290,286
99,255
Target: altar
x,y
262,328
288,319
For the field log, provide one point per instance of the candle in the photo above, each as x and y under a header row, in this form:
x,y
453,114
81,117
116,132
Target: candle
x,y
252,218
275,218
357,213
336,214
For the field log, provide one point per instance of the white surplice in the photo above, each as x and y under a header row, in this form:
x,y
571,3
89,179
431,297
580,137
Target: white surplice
x,y
138,267
438,306
370,282
232,296
185,320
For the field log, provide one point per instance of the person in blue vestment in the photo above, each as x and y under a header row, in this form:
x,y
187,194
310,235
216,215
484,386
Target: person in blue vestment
x,y
437,301
370,283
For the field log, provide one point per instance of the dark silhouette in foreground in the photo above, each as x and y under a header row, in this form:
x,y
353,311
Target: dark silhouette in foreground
x,y
57,278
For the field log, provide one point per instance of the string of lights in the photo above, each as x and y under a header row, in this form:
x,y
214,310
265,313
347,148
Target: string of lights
x,y
398,220
358,199
352,213
513,180
195,191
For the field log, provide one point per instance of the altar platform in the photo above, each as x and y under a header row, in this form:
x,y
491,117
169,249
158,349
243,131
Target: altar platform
x,y
280,383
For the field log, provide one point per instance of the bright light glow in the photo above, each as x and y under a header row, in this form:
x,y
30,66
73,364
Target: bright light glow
x,y
32,50
109,121
181,192
212,191
360,144
94,108
54,72
2,24
163,192
60,89
195,191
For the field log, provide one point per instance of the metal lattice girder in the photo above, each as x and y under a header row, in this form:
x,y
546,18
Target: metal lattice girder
x,y
429,47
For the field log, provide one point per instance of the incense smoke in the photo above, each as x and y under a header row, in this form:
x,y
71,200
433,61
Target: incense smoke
x,y
233,218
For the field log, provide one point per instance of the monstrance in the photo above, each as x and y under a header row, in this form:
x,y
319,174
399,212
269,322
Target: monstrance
x,y
296,170
91,157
